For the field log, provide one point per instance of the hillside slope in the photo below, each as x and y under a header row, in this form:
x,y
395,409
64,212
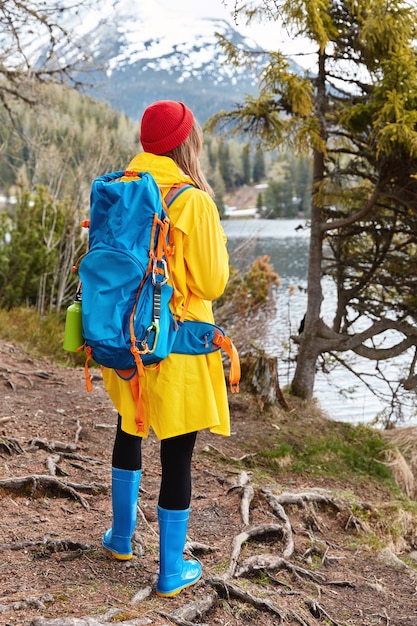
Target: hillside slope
x,y
316,550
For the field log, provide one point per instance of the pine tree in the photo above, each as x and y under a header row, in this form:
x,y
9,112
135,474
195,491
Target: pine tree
x,y
246,166
356,114
258,172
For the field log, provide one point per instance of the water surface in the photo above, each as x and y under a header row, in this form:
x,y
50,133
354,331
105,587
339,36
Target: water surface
x,y
340,393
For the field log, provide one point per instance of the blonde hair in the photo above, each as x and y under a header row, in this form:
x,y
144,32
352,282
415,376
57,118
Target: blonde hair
x,y
187,157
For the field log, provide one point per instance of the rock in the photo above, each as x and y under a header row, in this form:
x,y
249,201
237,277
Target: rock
x,y
388,558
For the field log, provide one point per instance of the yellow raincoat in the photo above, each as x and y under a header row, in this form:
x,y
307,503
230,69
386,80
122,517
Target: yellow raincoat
x,y
183,393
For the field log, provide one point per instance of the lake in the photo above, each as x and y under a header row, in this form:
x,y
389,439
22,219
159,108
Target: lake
x,y
339,393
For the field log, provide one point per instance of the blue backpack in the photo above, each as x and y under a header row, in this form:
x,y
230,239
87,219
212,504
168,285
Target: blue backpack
x,y
127,322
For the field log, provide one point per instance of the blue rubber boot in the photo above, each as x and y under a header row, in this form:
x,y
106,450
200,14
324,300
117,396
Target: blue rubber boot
x,y
175,574
125,491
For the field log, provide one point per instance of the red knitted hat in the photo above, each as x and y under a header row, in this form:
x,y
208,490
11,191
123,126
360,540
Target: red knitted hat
x,y
165,125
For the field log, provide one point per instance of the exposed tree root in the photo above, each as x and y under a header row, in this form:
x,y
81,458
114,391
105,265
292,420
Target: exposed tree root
x,y
70,456
111,617
52,465
279,511
315,497
9,445
309,611
51,486
239,540
212,449
52,446
194,547
247,492
185,615
318,612
271,562
49,545
29,602
227,589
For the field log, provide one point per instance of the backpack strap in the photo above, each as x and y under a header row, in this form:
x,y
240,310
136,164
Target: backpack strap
x,y
223,341
175,191
170,197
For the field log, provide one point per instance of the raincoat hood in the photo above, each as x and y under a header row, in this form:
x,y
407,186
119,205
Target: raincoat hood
x,y
165,171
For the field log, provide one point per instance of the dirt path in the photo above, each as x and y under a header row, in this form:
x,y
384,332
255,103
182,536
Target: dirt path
x,y
307,557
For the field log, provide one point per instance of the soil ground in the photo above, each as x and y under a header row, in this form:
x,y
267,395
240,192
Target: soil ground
x,y
54,571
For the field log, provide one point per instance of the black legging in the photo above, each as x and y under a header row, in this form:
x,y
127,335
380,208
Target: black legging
x,y
176,454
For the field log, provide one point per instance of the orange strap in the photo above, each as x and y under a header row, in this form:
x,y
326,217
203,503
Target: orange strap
x,y
137,396
88,384
234,375
185,309
162,238
139,364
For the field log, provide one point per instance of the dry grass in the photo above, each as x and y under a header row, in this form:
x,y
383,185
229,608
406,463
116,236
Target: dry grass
x,y
401,457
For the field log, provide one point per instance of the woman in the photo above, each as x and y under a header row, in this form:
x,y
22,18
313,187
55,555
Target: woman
x,y
184,393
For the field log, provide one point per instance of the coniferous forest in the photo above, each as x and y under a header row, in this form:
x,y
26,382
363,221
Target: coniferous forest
x,y
51,153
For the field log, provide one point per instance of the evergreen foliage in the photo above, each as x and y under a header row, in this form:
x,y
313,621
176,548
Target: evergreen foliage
x,y
50,155
258,171
231,164
356,115
48,159
40,238
63,142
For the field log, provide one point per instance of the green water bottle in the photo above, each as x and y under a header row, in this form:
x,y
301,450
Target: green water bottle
x,y
73,335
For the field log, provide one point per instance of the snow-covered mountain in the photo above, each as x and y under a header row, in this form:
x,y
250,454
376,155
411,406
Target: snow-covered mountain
x,y
148,53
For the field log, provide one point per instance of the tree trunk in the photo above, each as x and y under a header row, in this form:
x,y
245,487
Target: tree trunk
x,y
302,384
304,377
266,382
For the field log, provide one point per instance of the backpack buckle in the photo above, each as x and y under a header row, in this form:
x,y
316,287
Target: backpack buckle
x,y
158,271
154,327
